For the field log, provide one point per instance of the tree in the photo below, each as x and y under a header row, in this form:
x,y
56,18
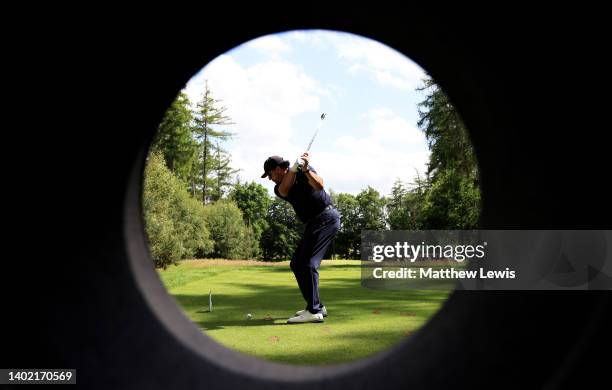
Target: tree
x,y
447,136
280,239
232,238
174,221
222,173
371,210
253,200
174,137
348,238
452,198
453,202
405,204
362,212
398,212
209,113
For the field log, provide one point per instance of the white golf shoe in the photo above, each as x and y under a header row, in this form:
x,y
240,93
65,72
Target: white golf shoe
x,y
324,312
306,317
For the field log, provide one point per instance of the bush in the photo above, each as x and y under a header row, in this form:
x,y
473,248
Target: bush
x,y
282,235
232,238
253,200
452,202
174,222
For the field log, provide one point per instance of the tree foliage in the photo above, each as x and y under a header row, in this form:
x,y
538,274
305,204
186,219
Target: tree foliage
x,y
208,116
447,136
222,218
174,138
348,238
232,238
284,230
174,222
253,200
452,198
221,174
371,210
453,202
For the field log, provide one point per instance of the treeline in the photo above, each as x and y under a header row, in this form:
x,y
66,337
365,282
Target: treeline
x,y
194,207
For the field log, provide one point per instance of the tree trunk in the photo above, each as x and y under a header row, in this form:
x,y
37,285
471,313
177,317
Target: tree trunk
x,y
204,158
218,190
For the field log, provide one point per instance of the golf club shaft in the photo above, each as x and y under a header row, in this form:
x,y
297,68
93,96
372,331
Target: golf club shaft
x,y
312,139
316,132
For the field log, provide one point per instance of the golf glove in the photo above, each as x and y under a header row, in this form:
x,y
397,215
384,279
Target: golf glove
x,y
296,166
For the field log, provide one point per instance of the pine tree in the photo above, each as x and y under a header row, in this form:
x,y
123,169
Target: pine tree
x,y
398,212
208,113
451,199
222,173
174,138
446,134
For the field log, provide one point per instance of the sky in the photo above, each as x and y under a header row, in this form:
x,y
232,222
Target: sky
x,y
276,87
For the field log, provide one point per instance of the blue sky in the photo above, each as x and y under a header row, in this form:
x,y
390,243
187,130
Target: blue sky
x,y
276,87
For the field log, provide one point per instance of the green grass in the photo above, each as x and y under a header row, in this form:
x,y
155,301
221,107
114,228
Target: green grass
x,y
361,321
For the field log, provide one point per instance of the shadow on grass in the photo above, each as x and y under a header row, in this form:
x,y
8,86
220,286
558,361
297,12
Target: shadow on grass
x,y
253,322
343,299
347,303
322,268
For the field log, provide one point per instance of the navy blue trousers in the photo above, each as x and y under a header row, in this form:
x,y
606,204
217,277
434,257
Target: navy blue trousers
x,y
318,235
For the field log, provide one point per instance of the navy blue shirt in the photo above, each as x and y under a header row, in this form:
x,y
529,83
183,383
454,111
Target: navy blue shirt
x,y
306,201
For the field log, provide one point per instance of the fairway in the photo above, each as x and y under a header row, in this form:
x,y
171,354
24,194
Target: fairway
x,y
361,321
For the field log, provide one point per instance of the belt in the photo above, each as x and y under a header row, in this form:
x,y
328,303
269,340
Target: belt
x,y
328,207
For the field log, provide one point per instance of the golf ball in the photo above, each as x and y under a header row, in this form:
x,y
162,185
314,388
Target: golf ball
x,y
249,316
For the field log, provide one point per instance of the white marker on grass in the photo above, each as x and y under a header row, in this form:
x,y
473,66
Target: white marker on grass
x,y
210,301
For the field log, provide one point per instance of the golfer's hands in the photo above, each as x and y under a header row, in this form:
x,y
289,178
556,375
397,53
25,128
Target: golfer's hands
x,y
306,158
296,166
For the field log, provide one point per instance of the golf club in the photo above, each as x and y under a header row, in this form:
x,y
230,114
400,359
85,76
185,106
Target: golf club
x,y
316,132
313,136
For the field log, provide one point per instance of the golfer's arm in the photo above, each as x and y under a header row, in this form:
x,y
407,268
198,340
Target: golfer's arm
x,y
287,183
314,180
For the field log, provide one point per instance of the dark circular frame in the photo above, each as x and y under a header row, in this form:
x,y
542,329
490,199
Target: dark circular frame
x,y
415,362
105,312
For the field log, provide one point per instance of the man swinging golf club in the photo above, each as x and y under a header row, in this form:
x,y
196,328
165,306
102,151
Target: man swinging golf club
x,y
303,188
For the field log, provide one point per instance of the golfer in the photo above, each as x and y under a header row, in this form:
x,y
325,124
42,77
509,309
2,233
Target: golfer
x,y
303,188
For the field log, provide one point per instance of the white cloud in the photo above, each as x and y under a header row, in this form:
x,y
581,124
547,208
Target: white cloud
x,y
271,45
266,99
263,100
385,65
385,126
387,152
315,38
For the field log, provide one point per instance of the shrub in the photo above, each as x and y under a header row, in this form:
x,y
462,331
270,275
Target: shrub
x,y
174,222
232,239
